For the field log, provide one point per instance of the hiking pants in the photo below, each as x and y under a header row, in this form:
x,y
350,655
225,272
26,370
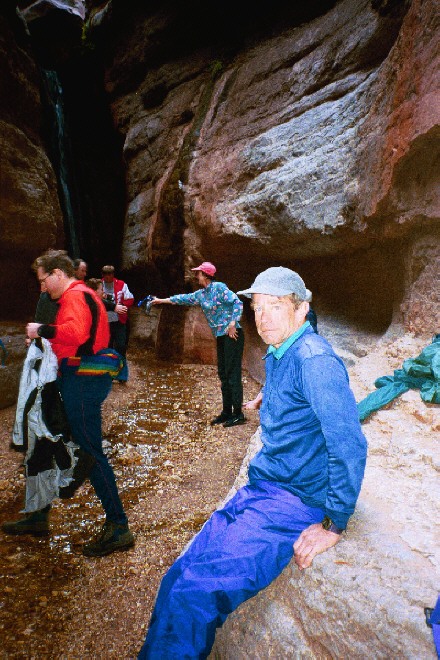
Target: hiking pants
x,y
240,550
83,397
229,357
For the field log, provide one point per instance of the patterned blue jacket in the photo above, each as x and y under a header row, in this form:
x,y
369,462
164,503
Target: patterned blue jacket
x,y
219,304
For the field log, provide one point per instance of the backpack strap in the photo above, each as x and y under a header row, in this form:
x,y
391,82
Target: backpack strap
x,y
87,347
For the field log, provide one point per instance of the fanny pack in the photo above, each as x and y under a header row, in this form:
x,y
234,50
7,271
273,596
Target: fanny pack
x,y
105,361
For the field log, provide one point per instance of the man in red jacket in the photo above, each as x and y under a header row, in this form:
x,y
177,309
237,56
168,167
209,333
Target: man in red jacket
x,y
81,328
117,292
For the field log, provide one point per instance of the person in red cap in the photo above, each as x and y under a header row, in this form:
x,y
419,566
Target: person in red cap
x,y
223,310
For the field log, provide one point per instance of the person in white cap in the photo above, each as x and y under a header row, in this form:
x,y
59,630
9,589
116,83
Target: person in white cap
x,y
303,484
223,310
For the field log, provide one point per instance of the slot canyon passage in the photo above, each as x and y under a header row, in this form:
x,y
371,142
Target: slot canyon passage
x,y
154,136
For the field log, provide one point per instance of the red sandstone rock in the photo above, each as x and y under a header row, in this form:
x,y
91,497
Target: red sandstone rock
x,y
314,148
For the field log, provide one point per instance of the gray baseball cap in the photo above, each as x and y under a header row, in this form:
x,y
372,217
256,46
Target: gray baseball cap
x,y
278,281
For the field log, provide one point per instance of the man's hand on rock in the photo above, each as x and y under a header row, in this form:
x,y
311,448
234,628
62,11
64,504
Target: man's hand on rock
x,y
311,542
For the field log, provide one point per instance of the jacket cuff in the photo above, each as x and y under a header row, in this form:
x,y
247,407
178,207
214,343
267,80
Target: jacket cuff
x,y
46,331
338,518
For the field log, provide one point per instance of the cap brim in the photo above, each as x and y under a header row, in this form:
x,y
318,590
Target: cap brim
x,y
206,272
268,291
271,291
246,292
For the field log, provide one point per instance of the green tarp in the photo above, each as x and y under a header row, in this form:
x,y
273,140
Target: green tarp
x,y
419,373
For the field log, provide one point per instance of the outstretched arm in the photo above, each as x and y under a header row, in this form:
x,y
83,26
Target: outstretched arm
x,y
162,301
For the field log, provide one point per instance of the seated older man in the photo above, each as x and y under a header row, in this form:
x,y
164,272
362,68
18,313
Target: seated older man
x,y
303,484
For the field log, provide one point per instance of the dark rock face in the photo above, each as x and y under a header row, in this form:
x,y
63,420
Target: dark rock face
x,y
12,354
30,213
314,147
304,137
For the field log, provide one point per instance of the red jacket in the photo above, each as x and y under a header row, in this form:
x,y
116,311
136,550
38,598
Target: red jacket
x,y
74,321
123,296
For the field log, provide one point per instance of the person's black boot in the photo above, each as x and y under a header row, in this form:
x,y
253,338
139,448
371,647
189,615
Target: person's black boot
x,y
111,537
223,417
36,523
236,419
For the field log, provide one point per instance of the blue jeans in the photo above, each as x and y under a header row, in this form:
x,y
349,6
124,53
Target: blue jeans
x,y
240,550
83,397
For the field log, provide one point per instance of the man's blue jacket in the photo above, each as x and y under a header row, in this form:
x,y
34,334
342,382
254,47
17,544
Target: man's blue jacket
x,y
313,444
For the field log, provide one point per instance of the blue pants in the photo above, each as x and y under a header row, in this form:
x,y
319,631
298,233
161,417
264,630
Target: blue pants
x,y
83,397
240,550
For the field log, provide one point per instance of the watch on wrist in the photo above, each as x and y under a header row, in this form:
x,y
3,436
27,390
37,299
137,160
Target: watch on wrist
x,y
330,526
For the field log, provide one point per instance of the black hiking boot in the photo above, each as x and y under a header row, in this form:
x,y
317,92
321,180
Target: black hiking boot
x,y
112,537
36,523
220,419
235,420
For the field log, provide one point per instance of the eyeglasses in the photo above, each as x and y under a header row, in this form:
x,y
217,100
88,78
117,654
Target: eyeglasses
x,y
45,278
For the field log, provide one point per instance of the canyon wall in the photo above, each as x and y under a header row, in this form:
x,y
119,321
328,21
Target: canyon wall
x,y
284,135
314,146
306,137
30,213
31,218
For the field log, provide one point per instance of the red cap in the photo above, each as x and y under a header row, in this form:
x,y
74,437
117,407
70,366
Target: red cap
x,y
206,267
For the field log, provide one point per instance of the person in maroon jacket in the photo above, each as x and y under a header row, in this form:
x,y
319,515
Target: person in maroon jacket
x,y
117,292
81,329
